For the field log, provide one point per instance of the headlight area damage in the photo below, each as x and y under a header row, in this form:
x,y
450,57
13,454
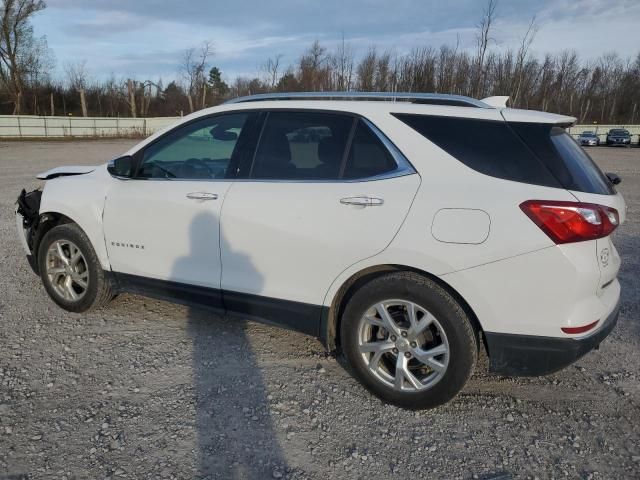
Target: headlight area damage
x,y
28,220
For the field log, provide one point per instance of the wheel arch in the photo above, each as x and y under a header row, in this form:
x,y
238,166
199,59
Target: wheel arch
x,y
331,315
50,219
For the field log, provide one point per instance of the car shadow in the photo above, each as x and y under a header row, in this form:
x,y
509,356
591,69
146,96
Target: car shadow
x,y
236,437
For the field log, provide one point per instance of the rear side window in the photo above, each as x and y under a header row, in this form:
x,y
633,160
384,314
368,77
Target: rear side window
x,y
489,147
302,145
568,162
368,156
319,146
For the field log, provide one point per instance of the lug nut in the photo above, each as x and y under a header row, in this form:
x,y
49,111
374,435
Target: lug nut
x,y
404,334
407,354
393,338
414,344
395,350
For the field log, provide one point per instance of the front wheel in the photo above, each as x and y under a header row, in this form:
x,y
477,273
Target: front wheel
x,y
408,340
70,270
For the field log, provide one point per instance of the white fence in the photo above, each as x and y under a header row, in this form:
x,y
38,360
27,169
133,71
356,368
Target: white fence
x,y
28,126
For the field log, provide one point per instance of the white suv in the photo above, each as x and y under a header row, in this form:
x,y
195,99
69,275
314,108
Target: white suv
x,y
408,233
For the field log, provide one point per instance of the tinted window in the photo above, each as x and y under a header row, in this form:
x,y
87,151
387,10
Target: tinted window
x,y
200,150
368,157
489,147
302,145
619,132
568,162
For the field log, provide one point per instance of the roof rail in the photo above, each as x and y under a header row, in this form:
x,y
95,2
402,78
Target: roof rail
x,y
423,98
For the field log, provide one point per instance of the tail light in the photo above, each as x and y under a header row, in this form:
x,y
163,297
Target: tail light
x,y
567,222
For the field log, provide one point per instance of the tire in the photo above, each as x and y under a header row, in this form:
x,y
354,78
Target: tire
x,y
448,328
92,289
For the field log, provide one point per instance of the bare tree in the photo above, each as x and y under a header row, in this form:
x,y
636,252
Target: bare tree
x,y
483,39
77,77
272,71
314,68
193,68
77,74
523,52
366,70
343,65
16,40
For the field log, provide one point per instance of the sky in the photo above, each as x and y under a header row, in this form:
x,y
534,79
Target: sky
x,y
145,39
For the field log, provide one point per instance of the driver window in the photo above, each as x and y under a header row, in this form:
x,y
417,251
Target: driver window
x,y
200,150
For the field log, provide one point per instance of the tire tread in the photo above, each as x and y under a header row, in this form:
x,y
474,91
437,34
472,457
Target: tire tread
x,y
104,289
413,283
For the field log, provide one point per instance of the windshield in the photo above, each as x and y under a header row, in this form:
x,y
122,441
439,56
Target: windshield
x,y
619,132
588,134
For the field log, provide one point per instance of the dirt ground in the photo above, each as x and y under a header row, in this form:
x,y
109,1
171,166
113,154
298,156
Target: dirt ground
x,y
145,389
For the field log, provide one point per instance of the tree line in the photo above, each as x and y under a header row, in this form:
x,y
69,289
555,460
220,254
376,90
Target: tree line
x,y
603,90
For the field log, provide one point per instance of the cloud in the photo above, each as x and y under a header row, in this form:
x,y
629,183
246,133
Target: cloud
x,y
146,37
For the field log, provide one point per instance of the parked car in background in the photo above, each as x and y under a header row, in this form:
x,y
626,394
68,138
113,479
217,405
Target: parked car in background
x,y
618,136
409,234
589,139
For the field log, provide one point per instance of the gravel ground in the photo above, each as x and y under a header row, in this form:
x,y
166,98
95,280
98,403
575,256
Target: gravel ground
x,y
146,389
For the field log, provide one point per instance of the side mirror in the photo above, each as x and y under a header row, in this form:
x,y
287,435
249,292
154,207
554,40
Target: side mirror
x,y
223,135
613,178
121,167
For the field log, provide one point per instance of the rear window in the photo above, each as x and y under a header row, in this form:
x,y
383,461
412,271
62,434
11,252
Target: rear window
x,y
568,162
489,147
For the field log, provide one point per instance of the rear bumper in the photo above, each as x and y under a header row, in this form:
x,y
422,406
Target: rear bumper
x,y
529,355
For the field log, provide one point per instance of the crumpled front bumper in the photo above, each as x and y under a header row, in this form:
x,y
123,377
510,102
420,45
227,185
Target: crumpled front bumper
x,y
22,232
27,215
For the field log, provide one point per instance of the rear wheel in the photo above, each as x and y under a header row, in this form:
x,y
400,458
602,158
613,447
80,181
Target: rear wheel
x,y
70,270
408,340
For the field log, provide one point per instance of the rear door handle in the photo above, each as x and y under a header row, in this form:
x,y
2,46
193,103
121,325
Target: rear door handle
x,y
202,196
363,201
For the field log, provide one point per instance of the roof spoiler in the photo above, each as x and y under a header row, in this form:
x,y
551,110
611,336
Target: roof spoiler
x,y
496,102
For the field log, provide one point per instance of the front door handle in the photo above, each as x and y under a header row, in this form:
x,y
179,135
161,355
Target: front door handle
x,y
362,201
202,196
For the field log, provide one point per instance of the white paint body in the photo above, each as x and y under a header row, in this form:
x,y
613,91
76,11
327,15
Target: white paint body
x,y
295,241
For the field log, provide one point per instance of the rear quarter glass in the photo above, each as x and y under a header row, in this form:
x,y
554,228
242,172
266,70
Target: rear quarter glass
x,y
533,153
487,146
566,160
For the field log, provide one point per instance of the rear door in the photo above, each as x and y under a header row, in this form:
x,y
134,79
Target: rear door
x,y
325,190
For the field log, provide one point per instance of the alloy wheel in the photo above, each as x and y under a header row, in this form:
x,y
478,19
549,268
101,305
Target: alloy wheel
x,y
403,345
67,270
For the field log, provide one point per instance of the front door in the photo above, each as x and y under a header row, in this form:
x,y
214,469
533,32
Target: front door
x,y
162,226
